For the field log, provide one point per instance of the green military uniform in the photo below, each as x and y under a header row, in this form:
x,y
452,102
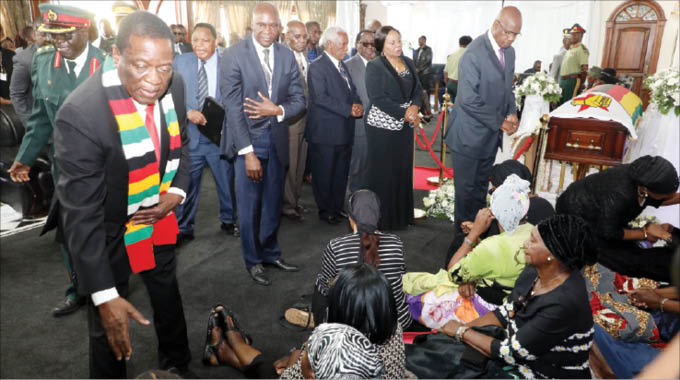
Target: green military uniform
x,y
52,84
571,70
452,72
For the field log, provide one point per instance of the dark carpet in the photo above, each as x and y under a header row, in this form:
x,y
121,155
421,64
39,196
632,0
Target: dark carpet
x,y
33,344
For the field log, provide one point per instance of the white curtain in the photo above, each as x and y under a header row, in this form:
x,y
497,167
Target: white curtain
x,y
444,22
347,17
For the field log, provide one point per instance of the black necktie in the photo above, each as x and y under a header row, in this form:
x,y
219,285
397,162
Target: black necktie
x,y
71,71
202,84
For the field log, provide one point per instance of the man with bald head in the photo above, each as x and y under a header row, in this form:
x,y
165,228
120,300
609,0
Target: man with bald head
x,y
374,25
296,39
260,88
484,109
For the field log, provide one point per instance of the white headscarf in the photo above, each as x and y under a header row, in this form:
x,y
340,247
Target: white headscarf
x,y
510,202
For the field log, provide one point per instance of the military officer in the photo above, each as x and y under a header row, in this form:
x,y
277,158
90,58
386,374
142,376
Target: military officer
x,y
56,70
574,65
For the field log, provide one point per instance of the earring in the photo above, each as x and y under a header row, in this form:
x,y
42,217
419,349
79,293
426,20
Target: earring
x,y
550,258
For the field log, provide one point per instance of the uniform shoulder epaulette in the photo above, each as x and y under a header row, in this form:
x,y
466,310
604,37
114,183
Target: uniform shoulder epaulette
x,y
45,49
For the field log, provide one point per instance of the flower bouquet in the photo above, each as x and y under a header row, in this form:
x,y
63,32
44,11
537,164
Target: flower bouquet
x,y
665,90
540,84
440,202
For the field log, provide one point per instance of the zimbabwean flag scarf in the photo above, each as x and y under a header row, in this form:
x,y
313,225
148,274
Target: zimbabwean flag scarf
x,y
144,183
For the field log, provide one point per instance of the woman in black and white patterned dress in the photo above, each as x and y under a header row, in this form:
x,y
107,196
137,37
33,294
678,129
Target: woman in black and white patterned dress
x,y
395,96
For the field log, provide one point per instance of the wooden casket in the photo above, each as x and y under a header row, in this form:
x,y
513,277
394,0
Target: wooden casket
x,y
592,128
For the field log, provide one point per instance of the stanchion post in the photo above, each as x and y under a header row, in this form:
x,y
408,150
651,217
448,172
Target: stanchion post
x,y
445,105
543,131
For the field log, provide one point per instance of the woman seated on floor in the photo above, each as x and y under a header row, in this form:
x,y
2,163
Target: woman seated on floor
x,y
633,316
611,199
539,208
365,244
547,323
360,298
491,266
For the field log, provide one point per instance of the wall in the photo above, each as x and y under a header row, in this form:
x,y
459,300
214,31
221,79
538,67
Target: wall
x,y
375,10
670,32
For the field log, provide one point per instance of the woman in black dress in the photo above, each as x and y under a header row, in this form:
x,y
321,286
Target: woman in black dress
x,y
395,95
611,199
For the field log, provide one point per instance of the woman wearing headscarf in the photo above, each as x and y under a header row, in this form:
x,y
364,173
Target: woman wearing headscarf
x,y
611,199
548,327
365,244
488,267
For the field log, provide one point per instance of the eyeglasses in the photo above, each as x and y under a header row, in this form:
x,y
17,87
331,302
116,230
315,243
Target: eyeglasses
x,y
61,36
367,44
508,33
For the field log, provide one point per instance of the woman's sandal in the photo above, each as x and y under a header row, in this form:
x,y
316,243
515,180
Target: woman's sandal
x,y
299,317
211,349
223,311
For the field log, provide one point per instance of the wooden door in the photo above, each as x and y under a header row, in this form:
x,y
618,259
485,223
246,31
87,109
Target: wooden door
x,y
634,32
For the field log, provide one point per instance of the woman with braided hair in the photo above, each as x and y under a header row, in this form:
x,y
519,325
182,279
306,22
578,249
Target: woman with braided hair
x,y
547,323
611,199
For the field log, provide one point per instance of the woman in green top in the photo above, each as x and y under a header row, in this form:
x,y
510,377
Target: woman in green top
x,y
488,268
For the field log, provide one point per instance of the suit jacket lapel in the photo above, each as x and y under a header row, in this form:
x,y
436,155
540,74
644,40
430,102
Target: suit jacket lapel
x,y
258,65
217,78
85,72
278,70
492,54
165,137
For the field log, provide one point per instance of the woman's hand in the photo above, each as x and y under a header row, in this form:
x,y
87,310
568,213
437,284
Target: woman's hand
x,y
467,290
411,114
450,328
482,222
645,298
286,361
657,231
466,227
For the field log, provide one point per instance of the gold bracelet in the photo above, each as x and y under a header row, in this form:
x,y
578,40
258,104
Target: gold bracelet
x,y
644,231
663,301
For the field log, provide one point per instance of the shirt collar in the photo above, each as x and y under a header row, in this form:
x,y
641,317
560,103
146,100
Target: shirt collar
x,y
81,59
364,60
260,49
335,61
210,62
494,45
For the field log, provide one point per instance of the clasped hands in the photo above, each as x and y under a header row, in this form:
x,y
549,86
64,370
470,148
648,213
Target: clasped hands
x,y
19,172
357,110
411,115
657,231
510,124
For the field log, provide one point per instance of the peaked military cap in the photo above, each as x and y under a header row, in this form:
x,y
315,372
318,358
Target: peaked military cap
x,y
63,18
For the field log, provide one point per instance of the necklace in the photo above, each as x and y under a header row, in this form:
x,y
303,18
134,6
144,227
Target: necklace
x,y
548,285
398,66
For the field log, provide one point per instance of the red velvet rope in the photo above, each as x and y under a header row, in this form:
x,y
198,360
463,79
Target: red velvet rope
x,y
428,145
526,146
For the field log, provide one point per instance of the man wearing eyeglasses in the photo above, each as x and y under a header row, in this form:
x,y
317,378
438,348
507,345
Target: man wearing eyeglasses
x,y
57,70
484,109
180,33
356,66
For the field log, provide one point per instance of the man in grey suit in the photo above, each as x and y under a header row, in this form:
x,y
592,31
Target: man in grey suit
x,y
484,109
296,39
356,66
21,86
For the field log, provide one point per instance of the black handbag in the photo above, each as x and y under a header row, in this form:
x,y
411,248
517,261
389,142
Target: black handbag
x,y
439,356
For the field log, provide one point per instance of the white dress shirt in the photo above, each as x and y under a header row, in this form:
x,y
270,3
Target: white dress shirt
x,y
106,295
336,63
260,54
80,61
302,61
494,45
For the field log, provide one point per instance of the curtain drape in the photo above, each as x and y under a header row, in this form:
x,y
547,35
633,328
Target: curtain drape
x,y
208,12
14,15
321,11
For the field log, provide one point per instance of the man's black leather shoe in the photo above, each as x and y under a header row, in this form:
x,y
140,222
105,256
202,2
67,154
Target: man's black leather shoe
x,y
330,219
231,229
183,238
257,274
68,306
284,266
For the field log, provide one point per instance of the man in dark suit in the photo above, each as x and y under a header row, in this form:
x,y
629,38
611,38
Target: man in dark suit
x,y
201,74
261,87
296,38
333,105
56,71
180,33
121,150
484,109
423,61
21,86
356,66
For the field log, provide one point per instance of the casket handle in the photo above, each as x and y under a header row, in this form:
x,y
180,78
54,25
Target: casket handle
x,y
576,145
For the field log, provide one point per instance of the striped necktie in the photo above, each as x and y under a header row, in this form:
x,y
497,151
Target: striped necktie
x,y
267,69
343,73
202,84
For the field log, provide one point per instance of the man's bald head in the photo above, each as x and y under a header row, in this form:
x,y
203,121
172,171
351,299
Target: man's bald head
x,y
374,26
507,26
296,35
265,24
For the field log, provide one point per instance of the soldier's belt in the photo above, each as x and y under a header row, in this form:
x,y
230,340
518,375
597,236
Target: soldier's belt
x,y
570,76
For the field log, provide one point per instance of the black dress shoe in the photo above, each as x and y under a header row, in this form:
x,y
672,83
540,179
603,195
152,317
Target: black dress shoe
x,y
231,229
294,216
183,238
284,266
330,219
68,306
257,274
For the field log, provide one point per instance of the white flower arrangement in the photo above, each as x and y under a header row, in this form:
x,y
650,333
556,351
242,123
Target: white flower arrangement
x,y
665,90
642,221
439,203
540,84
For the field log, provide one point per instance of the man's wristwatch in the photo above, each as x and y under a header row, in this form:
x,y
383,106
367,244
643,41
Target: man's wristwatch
x,y
459,333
